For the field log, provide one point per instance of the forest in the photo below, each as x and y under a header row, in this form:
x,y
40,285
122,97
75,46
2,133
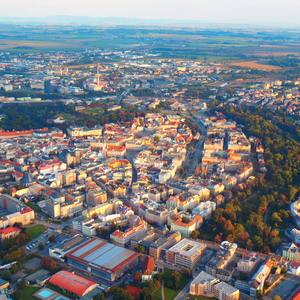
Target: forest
x,y
256,218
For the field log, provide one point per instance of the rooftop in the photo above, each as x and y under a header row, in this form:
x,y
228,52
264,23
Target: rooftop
x,y
187,247
72,283
101,254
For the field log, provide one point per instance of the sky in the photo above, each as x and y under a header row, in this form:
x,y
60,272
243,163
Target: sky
x,y
258,12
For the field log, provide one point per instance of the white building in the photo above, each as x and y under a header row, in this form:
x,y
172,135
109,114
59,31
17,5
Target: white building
x,y
203,285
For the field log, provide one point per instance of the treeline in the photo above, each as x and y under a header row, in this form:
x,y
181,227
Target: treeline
x,y
151,289
257,217
31,116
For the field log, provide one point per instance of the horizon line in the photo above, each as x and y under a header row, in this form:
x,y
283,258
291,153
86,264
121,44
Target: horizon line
x,y
137,21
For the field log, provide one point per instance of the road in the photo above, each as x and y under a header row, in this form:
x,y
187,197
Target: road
x,y
196,157
123,95
162,290
183,294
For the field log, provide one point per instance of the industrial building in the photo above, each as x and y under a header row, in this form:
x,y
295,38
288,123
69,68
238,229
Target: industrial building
x,y
101,259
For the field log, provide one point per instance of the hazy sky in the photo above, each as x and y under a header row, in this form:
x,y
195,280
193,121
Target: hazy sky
x,y
282,12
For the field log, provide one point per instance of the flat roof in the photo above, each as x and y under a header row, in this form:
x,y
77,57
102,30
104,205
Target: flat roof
x,y
101,254
187,247
226,288
203,278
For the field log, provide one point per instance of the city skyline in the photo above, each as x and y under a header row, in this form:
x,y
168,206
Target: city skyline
x,y
266,12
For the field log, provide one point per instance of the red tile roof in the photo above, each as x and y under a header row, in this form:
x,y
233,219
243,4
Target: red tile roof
x,y
150,266
9,230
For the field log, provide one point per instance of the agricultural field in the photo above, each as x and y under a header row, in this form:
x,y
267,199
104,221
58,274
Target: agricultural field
x,y
255,65
247,46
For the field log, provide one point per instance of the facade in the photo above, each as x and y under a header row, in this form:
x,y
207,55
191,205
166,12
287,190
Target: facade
x,y
122,238
185,225
295,211
224,291
185,254
247,263
162,244
203,285
291,252
13,211
59,208
76,132
9,232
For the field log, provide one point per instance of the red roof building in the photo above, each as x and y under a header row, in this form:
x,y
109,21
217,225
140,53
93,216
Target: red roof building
x,y
296,296
73,283
149,266
9,232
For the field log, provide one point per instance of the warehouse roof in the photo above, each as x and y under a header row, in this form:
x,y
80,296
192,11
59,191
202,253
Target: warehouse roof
x,y
101,254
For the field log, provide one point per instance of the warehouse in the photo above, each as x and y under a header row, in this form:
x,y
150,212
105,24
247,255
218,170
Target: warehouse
x,y
102,259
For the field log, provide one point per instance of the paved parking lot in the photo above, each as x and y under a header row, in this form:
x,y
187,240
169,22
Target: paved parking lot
x,y
33,264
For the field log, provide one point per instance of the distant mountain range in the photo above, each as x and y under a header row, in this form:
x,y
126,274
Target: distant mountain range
x,y
113,21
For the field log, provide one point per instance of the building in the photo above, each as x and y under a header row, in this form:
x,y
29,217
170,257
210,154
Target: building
x,y
185,224
4,285
59,250
224,291
39,277
258,279
72,283
156,215
208,286
137,229
247,263
295,233
76,132
9,232
185,254
160,246
102,259
218,262
291,252
294,268
96,196
58,207
149,269
13,211
295,211
203,285
205,209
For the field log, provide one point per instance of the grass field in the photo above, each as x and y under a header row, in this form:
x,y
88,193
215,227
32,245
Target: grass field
x,y
35,230
169,294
